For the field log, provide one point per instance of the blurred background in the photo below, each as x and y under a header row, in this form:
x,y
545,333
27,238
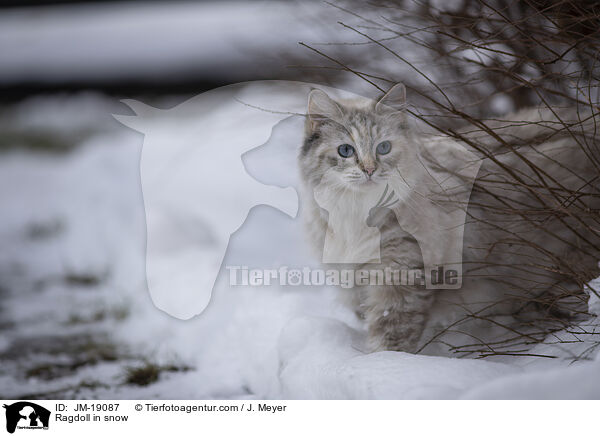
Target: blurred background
x,y
153,48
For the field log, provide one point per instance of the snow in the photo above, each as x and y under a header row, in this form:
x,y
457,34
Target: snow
x,y
580,382
249,342
321,359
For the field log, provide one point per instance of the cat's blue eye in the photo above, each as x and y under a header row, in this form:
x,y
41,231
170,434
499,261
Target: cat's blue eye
x,y
345,150
384,147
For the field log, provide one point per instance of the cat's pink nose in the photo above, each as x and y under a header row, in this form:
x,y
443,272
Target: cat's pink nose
x,y
369,171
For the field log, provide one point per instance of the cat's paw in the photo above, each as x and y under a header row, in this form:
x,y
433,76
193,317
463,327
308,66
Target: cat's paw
x,y
382,343
395,331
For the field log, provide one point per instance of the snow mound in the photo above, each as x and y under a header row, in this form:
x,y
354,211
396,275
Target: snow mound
x,y
578,382
321,359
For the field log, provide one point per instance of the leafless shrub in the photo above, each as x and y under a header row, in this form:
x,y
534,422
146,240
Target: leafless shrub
x,y
467,64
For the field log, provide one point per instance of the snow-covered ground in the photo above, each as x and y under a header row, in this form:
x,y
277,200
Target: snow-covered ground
x,y
76,314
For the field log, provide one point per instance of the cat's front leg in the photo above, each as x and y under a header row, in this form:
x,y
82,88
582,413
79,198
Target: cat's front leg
x,y
396,317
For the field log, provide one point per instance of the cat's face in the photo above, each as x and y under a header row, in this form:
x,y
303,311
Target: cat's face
x,y
353,146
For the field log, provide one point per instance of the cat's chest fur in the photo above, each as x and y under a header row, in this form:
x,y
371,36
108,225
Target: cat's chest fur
x,y
347,232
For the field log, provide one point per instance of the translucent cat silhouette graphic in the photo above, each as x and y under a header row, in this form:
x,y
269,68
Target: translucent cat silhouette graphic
x,y
428,190
429,201
432,198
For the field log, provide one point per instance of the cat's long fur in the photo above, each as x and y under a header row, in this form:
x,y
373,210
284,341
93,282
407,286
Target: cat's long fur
x,y
519,235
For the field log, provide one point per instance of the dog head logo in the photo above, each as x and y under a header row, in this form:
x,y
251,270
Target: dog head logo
x,y
197,190
26,415
195,186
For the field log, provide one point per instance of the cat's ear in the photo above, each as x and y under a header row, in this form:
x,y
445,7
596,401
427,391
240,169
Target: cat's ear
x,y
394,99
321,106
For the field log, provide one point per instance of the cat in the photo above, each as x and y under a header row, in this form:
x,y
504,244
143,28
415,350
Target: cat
x,y
523,238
